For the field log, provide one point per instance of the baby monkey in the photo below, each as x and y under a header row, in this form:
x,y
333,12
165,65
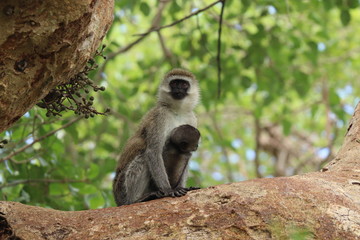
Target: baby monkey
x,y
154,162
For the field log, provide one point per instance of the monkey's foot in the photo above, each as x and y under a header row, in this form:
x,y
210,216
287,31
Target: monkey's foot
x,y
162,194
192,188
149,197
177,192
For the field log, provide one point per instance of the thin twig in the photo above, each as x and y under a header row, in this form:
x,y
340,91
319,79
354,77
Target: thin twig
x,y
224,151
180,20
27,160
27,181
201,34
154,28
218,57
257,126
114,54
167,53
257,147
126,48
155,24
39,139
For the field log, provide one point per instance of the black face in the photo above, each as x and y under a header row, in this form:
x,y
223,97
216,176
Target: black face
x,y
179,88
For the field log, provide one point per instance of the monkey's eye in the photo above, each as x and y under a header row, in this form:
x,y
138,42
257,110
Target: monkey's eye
x,y
184,85
172,84
179,83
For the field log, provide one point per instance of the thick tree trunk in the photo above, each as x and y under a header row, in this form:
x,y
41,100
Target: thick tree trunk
x,y
44,44
320,205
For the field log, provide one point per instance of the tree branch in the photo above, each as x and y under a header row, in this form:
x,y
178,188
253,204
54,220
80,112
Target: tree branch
x,y
257,147
223,149
347,159
180,20
154,28
39,139
218,57
155,23
27,181
167,53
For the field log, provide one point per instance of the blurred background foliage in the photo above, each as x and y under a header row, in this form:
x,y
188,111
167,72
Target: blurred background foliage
x,y
289,86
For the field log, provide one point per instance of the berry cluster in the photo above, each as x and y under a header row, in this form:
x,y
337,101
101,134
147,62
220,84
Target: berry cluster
x,y
75,95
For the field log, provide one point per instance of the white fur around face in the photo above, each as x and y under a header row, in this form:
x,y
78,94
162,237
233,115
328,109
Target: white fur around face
x,y
179,112
183,105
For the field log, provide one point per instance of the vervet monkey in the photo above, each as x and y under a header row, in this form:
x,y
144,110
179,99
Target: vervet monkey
x,y
154,161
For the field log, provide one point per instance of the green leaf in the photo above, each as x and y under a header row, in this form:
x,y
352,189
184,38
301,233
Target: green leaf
x,y
236,47
314,109
245,5
334,99
127,4
185,45
246,61
93,171
72,130
174,8
286,124
339,111
96,201
246,82
87,189
144,8
312,54
328,4
301,83
345,17
37,192
58,189
352,3
258,112
203,39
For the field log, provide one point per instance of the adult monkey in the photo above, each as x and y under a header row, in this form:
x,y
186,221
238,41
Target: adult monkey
x,y
154,161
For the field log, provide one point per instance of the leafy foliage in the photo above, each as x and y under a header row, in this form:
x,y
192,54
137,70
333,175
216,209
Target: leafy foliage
x,y
289,87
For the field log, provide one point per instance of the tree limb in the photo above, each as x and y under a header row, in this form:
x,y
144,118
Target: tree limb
x,y
155,23
218,57
155,29
29,181
39,139
323,205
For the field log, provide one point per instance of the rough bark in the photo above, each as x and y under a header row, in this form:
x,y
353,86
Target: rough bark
x,y
324,205
44,44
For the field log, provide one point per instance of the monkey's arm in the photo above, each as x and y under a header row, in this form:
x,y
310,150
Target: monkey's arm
x,y
182,180
156,167
155,141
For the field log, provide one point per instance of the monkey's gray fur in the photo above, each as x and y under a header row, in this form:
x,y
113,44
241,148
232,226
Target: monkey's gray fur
x,y
154,161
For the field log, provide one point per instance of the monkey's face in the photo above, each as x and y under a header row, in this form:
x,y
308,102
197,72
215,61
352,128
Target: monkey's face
x,y
179,88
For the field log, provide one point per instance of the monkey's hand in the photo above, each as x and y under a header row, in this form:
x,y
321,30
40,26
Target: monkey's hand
x,y
180,191
183,190
177,192
191,188
160,194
